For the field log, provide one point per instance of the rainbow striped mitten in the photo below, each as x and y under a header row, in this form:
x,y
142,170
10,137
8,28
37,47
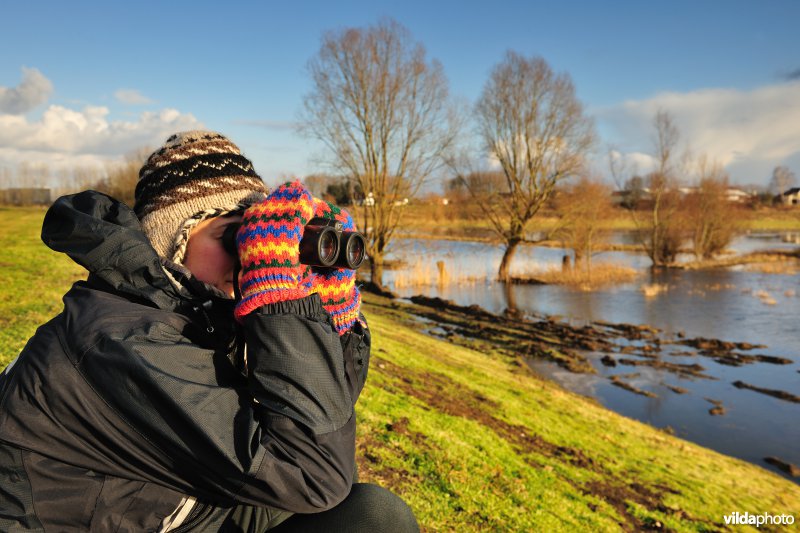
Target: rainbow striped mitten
x,y
268,243
337,286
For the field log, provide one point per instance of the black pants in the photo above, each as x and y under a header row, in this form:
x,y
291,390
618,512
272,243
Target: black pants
x,y
368,508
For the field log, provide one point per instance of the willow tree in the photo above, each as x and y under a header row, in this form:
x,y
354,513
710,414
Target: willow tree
x,y
380,108
531,123
661,226
714,220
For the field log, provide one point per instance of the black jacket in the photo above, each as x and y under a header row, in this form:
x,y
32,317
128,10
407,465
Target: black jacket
x,y
131,410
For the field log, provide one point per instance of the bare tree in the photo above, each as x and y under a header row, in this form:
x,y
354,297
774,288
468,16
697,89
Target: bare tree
x,y
660,227
381,110
121,177
317,184
714,220
665,236
5,178
480,184
531,123
582,206
782,179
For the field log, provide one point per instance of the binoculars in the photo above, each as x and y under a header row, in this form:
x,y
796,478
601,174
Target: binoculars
x,y
324,244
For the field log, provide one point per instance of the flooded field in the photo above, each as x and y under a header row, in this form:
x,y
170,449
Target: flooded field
x,y
740,304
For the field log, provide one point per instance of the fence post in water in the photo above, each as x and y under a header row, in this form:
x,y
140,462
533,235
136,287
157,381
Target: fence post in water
x,y
442,273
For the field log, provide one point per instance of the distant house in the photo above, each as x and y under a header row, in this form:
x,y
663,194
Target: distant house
x,y
629,198
738,195
368,201
789,197
26,196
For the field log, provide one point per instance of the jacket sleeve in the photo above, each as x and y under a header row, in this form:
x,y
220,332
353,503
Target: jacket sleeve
x,y
300,375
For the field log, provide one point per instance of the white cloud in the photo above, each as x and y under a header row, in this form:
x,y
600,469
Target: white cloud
x,y
131,97
34,89
632,163
749,132
66,138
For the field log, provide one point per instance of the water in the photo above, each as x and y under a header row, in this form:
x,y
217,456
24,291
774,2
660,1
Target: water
x,y
729,304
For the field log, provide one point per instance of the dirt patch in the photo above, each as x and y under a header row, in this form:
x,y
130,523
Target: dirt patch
x,y
693,370
620,494
617,381
789,468
546,337
782,395
450,397
718,409
372,469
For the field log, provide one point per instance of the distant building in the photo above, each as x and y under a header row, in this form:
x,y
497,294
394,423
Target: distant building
x,y
26,196
738,196
789,197
627,197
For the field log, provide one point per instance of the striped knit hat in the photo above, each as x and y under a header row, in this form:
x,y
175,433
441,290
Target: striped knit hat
x,y
195,175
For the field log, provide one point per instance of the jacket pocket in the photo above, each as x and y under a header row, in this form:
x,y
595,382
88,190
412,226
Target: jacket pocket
x,y
356,351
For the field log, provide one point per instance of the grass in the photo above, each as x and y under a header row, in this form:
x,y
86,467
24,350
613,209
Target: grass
x,y
471,439
33,278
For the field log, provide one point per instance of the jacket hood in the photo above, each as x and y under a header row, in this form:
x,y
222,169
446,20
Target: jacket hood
x,y
104,236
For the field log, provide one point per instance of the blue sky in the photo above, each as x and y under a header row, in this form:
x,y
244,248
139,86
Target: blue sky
x,y
86,82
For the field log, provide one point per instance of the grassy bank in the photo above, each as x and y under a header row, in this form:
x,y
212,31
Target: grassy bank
x,y
469,437
460,220
33,278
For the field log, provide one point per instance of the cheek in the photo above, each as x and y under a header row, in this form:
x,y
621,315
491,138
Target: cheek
x,y
209,263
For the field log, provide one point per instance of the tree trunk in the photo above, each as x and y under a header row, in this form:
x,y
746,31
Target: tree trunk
x,y
503,274
376,270
511,299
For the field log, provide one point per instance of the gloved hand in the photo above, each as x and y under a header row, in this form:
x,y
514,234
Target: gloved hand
x,y
268,243
336,286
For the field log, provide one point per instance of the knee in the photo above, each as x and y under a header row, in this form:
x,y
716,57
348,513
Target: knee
x,y
383,510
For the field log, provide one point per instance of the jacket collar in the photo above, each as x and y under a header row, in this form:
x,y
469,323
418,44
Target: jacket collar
x,y
104,236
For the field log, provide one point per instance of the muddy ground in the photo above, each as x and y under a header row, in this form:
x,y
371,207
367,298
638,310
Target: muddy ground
x,y
519,339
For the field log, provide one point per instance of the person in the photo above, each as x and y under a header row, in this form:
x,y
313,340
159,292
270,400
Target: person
x,y
156,401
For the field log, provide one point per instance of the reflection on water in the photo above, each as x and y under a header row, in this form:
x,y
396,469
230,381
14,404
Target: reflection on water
x,y
729,304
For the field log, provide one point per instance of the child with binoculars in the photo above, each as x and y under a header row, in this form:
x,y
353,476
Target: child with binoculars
x,y
202,377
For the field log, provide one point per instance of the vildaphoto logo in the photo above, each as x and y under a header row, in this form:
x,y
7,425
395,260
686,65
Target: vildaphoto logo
x,y
758,520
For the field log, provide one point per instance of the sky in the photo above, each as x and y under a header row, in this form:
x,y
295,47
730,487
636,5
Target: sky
x,y
84,83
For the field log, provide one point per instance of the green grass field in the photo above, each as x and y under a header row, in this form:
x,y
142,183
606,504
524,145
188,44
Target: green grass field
x,y
472,440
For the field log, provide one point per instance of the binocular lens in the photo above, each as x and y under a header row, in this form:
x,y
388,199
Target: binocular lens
x,y
328,247
354,248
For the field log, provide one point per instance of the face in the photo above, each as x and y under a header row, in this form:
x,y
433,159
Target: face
x,y
205,256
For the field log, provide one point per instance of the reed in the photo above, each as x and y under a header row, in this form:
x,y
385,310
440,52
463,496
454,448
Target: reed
x,y
651,290
789,268
765,297
600,275
422,273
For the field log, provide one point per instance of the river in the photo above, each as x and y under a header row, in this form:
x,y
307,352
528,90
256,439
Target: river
x,y
736,304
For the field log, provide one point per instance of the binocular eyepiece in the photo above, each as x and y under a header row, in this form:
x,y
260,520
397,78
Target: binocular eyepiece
x,y
324,244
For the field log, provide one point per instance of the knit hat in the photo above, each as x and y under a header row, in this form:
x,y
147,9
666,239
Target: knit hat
x,y
195,175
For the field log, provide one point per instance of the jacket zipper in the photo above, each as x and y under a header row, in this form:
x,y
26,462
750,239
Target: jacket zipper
x,y
201,309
